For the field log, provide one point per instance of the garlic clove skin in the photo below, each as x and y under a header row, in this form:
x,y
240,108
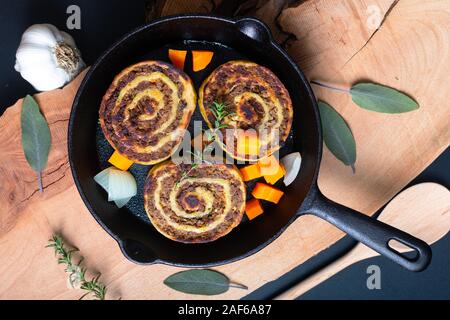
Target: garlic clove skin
x,y
47,57
44,78
43,34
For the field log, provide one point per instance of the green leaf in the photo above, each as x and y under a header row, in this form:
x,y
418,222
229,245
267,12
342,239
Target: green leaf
x,y
380,98
36,138
198,281
337,135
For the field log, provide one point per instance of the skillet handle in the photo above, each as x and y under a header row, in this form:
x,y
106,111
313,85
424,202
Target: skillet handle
x,y
254,29
137,252
371,232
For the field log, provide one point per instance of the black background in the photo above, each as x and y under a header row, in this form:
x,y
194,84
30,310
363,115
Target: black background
x,y
102,23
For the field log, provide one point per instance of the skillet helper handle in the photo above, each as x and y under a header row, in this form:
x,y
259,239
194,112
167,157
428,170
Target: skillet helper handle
x,y
137,252
254,29
371,232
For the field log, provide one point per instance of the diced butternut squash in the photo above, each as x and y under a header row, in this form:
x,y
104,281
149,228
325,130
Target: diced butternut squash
x,y
266,192
119,161
177,57
268,165
271,169
247,143
273,178
253,208
201,59
250,172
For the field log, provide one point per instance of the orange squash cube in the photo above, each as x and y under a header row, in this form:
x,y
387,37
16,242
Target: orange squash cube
x,y
201,59
266,192
273,178
269,165
253,208
177,57
120,161
250,172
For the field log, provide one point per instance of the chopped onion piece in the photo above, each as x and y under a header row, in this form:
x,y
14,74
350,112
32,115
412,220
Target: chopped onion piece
x,y
291,163
102,178
120,185
121,202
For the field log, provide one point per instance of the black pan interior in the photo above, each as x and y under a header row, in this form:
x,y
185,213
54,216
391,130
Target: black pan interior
x,y
89,150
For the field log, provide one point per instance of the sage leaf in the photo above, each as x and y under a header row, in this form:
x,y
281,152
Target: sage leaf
x,y
200,281
36,138
337,135
379,98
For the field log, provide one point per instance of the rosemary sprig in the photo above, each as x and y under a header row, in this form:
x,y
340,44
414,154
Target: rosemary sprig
x,y
198,158
219,112
218,109
186,174
95,287
77,273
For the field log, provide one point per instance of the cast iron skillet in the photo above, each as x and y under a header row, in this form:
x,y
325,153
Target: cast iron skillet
x,y
245,38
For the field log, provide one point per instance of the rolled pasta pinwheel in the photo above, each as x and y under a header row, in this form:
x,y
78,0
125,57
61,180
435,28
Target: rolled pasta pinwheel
x,y
194,204
146,109
253,98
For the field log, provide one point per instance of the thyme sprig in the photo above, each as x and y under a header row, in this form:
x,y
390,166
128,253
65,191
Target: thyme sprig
x,y
198,159
218,109
77,273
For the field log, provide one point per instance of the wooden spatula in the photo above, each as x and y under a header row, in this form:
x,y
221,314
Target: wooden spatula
x,y
422,210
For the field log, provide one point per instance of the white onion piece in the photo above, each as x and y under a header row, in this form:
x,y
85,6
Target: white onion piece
x,y
102,178
291,163
121,202
120,185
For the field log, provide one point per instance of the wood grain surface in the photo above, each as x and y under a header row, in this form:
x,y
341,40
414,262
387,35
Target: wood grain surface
x,y
333,43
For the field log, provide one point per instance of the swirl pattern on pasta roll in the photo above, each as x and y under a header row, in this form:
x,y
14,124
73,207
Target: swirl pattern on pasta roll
x,y
254,98
146,109
194,204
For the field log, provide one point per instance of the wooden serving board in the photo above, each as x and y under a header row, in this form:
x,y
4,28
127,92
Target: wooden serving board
x,y
410,51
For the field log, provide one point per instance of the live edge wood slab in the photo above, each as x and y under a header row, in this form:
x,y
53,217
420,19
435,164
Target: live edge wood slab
x,y
332,42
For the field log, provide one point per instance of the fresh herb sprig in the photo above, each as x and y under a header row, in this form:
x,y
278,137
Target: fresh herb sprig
x,y
198,158
218,109
77,273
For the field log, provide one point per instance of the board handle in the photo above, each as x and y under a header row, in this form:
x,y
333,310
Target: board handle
x,y
371,232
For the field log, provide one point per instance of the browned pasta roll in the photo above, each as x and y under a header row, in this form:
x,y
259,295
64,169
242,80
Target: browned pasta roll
x,y
194,204
146,109
254,98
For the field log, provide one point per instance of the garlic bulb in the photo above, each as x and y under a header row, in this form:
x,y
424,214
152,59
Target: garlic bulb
x,y
47,57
